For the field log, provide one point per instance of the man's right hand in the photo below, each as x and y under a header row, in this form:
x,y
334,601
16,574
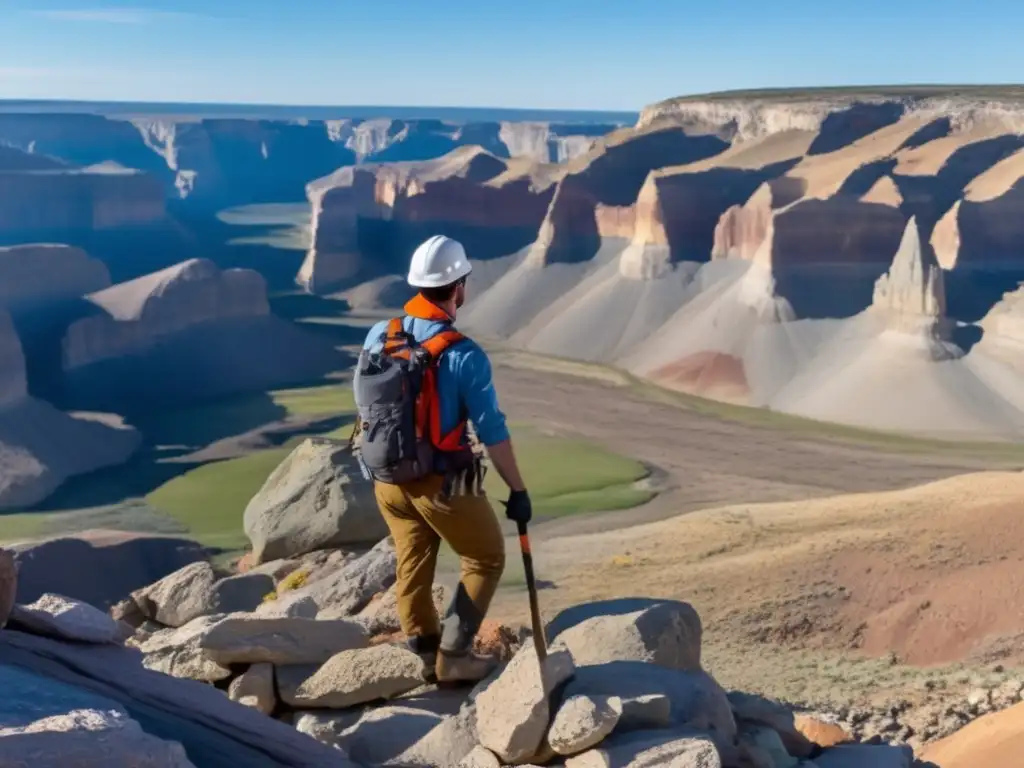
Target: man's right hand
x,y
518,508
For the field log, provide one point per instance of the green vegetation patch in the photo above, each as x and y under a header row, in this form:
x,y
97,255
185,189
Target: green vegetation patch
x,y
566,476
569,476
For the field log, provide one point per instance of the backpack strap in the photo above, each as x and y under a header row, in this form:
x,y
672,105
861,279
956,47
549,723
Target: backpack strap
x,y
396,340
438,343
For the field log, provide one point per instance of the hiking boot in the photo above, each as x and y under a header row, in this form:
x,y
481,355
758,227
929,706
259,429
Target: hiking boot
x,y
463,667
426,649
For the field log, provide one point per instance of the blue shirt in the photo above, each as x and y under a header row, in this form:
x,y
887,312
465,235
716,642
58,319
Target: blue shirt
x,y
463,379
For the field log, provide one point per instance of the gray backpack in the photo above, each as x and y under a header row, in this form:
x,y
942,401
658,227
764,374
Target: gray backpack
x,y
399,416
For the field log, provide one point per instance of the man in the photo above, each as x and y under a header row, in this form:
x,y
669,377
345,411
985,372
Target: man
x,y
443,504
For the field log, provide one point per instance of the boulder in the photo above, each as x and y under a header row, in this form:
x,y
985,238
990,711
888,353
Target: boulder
x,y
66,619
864,755
664,632
447,743
583,722
374,736
480,758
8,585
241,593
255,688
359,676
349,588
648,711
303,608
513,711
697,700
215,732
89,738
761,711
129,612
315,499
677,748
247,639
176,652
766,743
179,597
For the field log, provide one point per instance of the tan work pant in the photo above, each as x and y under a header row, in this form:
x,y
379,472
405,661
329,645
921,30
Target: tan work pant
x,y
419,519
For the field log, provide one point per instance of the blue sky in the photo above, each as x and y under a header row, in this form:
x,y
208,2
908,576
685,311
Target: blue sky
x,y
561,54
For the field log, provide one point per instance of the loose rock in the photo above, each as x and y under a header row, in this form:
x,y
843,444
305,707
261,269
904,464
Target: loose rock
x,y
61,617
480,758
249,639
677,748
315,499
303,608
176,652
583,722
88,738
359,676
697,700
513,711
347,590
255,688
375,736
179,597
664,632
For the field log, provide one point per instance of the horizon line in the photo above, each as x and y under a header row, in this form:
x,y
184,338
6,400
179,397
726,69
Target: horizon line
x,y
278,105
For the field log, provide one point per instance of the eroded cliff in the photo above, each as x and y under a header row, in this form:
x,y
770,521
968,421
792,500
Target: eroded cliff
x,y
785,251
40,447
185,332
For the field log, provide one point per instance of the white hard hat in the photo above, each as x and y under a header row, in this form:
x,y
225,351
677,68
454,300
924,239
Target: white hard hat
x,y
438,261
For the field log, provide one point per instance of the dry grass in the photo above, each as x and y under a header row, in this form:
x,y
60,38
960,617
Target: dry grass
x,y
855,597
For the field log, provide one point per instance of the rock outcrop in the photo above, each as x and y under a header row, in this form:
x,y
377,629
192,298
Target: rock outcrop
x,y
212,162
493,205
40,447
214,323
911,295
314,499
70,202
47,276
621,684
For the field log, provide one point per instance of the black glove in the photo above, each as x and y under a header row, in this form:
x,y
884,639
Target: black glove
x,y
518,507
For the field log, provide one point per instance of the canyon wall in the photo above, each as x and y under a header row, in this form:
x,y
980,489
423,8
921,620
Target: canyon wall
x,y
41,447
188,332
45,275
760,249
40,194
217,162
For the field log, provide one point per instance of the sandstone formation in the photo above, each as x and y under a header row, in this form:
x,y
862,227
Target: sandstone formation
x,y
468,193
217,161
736,248
216,324
47,276
911,295
72,201
40,447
